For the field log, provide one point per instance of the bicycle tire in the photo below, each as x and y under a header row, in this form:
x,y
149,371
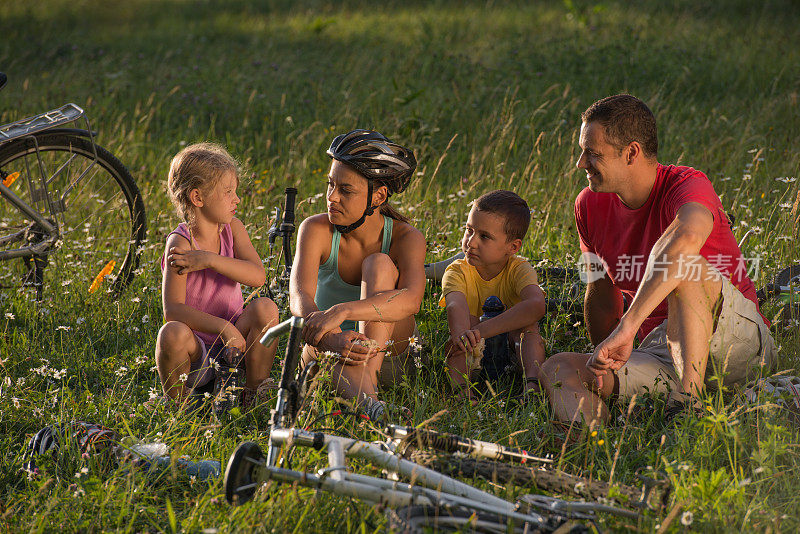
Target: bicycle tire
x,y
240,479
544,479
103,215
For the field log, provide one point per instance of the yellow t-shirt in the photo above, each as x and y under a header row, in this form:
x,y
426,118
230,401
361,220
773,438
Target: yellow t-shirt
x,y
461,276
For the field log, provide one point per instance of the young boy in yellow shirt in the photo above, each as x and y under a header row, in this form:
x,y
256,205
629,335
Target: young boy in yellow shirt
x,y
496,225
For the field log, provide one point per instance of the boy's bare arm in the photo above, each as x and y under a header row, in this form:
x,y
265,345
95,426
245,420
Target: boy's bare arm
x,y
457,317
527,311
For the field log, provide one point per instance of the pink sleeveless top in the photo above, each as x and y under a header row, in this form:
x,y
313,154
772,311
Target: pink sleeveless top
x,y
209,291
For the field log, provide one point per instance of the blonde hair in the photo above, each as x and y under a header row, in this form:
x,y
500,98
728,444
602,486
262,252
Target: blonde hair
x,y
198,166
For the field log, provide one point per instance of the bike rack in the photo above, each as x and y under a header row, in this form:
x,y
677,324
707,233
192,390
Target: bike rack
x,y
44,121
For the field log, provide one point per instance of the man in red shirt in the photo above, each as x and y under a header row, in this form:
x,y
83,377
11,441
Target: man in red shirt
x,y
661,237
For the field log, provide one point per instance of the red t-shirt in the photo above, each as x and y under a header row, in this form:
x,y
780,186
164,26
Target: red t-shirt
x,y
624,237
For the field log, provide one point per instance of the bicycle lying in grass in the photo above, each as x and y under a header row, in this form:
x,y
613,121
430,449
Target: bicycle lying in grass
x,y
69,206
427,498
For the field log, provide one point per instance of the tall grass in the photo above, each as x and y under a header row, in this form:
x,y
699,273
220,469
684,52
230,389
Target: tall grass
x,y
489,95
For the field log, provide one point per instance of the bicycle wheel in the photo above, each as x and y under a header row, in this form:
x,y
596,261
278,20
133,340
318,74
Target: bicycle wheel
x,y
241,479
94,202
544,479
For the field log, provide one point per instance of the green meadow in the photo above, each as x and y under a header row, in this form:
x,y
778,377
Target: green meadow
x,y
488,94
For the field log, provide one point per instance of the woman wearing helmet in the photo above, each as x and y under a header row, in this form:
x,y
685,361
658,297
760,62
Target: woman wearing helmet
x,y
358,276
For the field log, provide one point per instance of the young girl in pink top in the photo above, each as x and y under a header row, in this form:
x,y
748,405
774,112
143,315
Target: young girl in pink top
x,y
206,259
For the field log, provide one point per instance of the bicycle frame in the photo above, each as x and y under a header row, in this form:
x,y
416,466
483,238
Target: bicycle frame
x,y
284,231
426,487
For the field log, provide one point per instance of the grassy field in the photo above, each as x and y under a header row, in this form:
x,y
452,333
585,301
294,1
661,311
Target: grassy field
x,y
489,95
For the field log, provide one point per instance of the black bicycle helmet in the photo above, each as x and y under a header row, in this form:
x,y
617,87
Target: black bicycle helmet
x,y
377,159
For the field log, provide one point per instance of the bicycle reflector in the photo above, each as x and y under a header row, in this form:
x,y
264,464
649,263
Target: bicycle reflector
x,y
105,271
10,179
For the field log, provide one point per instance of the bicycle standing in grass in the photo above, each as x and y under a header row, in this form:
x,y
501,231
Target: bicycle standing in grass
x,y
662,237
358,276
206,259
497,223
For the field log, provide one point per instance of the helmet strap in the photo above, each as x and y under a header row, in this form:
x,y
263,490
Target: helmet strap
x,y
367,212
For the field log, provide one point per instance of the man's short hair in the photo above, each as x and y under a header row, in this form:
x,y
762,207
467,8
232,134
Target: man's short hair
x,y
511,207
625,119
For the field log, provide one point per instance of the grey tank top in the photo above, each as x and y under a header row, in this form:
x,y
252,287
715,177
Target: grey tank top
x,y
331,289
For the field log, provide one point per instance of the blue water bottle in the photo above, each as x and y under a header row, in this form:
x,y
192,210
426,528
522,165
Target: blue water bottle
x,y
496,357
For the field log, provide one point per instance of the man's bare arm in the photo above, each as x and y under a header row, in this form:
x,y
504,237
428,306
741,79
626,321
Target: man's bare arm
x,y
602,309
680,242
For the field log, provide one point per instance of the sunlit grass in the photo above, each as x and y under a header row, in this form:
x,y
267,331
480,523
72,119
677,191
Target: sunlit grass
x,y
489,96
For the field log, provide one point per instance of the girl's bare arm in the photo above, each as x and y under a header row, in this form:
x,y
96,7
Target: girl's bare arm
x,y
173,302
245,268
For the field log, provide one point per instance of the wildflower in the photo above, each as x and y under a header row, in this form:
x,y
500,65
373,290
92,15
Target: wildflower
x,y
9,316
209,434
121,371
64,328
601,442
145,318
594,433
183,378
7,381
461,193
58,375
80,320
15,401
79,492
687,518
136,300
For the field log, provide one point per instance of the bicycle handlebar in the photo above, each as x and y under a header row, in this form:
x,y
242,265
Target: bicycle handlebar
x,y
281,328
288,210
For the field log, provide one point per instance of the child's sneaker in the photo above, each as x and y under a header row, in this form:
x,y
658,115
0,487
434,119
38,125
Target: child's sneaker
x,y
227,378
250,398
380,411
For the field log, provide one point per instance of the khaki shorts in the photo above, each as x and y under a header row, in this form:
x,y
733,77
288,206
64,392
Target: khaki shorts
x,y
740,348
